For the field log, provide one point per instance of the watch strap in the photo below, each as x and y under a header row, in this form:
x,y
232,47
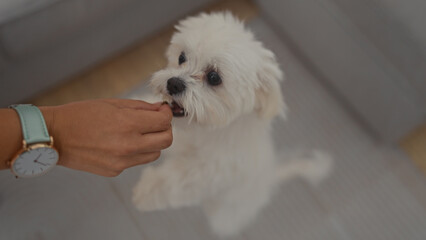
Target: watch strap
x,y
34,128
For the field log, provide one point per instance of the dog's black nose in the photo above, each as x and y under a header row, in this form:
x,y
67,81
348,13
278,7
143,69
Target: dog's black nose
x,y
175,85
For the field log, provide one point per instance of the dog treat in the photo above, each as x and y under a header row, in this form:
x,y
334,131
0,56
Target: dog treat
x,y
177,110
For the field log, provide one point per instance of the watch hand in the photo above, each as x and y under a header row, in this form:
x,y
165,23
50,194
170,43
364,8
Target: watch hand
x,y
44,164
37,157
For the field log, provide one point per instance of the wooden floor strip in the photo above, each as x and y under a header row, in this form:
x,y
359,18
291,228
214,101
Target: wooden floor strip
x,y
415,146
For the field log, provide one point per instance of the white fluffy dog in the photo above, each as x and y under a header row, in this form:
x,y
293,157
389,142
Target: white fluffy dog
x,y
224,90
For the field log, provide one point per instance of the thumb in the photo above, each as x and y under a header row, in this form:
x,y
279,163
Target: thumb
x,y
135,104
165,108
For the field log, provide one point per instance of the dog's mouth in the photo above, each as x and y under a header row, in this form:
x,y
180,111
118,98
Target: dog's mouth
x,y
177,110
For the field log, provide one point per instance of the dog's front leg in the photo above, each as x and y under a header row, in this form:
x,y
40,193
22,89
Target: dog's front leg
x,y
231,211
171,185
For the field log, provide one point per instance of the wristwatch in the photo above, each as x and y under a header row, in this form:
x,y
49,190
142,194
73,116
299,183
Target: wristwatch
x,y
38,154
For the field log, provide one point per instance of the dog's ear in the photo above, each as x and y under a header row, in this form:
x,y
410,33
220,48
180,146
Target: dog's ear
x,y
270,102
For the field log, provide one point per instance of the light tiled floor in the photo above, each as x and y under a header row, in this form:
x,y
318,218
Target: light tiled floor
x,y
374,193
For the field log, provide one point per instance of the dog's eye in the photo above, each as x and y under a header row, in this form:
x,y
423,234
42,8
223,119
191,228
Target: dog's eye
x,y
213,78
182,58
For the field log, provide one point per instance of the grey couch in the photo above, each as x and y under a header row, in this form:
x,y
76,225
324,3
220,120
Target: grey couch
x,y
43,42
371,54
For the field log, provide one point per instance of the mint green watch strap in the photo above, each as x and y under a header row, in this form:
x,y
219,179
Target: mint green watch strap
x,y
34,128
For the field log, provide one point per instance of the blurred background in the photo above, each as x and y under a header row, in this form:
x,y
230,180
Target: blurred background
x,y
355,85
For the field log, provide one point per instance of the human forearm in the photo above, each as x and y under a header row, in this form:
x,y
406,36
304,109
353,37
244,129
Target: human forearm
x,y
100,136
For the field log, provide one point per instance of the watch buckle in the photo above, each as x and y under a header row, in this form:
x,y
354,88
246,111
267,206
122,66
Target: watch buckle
x,y
51,142
24,144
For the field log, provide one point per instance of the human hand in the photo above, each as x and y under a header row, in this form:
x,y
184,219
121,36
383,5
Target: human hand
x,y
107,136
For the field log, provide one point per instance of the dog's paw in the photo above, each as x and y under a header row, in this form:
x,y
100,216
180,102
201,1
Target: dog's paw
x,y
141,199
318,167
313,168
144,202
147,193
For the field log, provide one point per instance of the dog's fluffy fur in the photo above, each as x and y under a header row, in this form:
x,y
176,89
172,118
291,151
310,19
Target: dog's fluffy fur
x,y
222,157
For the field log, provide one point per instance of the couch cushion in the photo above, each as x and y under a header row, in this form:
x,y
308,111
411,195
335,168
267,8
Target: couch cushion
x,y
12,9
46,25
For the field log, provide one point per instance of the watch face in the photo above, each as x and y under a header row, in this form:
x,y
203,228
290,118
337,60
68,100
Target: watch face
x,y
35,162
